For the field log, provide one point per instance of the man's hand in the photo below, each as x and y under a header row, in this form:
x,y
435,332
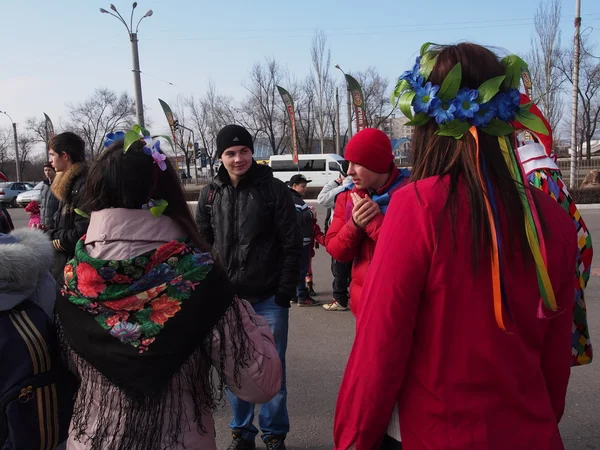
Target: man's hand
x,y
39,226
365,209
340,180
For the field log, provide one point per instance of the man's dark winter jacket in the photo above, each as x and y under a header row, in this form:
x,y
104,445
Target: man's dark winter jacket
x,y
305,218
69,226
254,232
49,205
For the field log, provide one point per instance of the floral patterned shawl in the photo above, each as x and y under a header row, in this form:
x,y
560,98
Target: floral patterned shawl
x,y
142,327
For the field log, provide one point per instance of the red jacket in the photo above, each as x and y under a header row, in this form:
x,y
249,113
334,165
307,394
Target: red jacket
x,y
346,242
427,338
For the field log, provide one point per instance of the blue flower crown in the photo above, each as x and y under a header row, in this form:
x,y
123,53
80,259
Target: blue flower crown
x,y
456,109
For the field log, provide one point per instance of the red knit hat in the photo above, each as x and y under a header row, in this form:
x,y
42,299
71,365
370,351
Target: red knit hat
x,y
371,148
32,207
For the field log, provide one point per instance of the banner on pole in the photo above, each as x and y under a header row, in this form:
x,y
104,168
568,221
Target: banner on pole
x,y
359,102
49,127
289,105
171,121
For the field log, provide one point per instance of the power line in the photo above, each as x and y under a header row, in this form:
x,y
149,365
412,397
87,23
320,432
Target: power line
x,y
432,25
159,79
405,29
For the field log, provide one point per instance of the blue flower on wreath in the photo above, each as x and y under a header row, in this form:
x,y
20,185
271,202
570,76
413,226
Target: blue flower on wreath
x,y
114,136
507,104
126,332
486,113
442,112
412,76
465,103
424,97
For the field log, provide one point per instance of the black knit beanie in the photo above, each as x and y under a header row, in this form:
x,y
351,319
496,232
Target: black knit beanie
x,y
231,136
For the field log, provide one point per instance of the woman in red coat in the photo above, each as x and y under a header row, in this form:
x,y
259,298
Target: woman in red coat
x,y
458,345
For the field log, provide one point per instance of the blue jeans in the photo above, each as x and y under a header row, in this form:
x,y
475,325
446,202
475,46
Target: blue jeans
x,y
273,417
301,289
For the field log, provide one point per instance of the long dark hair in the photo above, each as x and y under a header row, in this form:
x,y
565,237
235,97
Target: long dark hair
x,y
129,180
440,155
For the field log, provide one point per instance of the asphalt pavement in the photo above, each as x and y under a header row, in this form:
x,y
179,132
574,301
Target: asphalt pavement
x,y
319,343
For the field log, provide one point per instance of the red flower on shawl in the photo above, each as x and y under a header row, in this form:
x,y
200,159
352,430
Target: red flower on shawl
x,y
68,274
89,283
163,309
135,302
121,279
115,319
164,252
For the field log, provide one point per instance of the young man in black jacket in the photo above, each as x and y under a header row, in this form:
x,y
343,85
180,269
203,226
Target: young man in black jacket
x,y
306,219
249,218
67,156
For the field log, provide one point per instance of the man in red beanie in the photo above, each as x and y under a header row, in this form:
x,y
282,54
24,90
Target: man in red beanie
x,y
359,210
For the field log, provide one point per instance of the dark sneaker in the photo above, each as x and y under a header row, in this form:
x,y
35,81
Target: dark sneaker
x,y
309,302
241,444
275,443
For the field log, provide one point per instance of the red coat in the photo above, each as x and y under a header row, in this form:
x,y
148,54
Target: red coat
x,y
346,242
427,338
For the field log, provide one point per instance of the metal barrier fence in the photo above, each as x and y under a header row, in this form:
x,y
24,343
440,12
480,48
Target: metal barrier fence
x,y
584,166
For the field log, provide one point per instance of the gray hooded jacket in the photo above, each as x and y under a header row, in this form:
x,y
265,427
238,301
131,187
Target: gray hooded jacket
x,y
26,256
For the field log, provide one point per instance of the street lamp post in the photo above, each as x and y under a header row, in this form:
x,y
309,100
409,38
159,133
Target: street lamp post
x,y
348,96
17,163
137,81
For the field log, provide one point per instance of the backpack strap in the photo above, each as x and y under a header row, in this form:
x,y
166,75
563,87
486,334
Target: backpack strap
x,y
210,199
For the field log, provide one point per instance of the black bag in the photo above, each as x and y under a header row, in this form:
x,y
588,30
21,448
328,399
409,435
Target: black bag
x,y
36,392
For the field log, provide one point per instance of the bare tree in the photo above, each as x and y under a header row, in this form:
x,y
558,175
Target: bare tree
x,y
103,112
588,118
321,60
305,103
376,95
208,115
26,144
6,139
183,136
264,105
545,52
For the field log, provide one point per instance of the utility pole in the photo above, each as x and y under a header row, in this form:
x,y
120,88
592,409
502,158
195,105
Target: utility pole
x,y
17,161
574,104
337,122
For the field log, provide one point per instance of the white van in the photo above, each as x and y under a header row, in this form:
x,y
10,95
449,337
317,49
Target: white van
x,y
320,168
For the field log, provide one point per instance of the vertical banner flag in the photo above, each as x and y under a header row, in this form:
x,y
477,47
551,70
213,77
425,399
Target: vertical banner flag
x,y
359,102
289,105
49,132
169,115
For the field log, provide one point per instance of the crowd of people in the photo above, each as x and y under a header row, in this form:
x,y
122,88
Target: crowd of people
x,y
130,318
